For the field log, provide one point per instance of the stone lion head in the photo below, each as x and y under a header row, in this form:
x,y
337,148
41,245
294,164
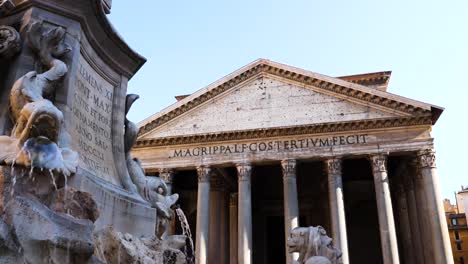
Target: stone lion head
x,y
312,242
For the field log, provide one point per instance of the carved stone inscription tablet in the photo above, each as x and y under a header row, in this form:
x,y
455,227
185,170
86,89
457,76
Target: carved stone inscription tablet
x,y
91,126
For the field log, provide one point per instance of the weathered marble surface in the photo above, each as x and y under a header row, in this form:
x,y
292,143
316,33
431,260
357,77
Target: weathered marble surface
x,y
114,248
265,103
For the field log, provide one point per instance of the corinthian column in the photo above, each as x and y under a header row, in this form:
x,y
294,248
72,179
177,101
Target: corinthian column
x,y
245,214
439,233
337,209
384,205
233,234
167,175
291,207
219,220
203,215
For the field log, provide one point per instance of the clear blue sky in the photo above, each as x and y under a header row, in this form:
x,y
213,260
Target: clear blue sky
x,y
190,44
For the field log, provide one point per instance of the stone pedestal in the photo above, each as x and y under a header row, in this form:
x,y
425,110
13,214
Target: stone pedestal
x,y
442,252
388,237
291,206
203,216
245,214
337,209
91,97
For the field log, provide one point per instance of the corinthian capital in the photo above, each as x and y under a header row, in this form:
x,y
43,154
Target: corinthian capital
x,y
167,175
244,171
379,163
426,159
333,166
203,173
289,168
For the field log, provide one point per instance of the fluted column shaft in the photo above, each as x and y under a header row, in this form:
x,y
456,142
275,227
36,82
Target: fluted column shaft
x,y
414,215
245,214
440,241
337,209
408,255
233,228
219,217
291,206
203,216
167,175
385,211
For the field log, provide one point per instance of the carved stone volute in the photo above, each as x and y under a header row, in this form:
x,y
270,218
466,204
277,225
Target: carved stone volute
x,y
10,42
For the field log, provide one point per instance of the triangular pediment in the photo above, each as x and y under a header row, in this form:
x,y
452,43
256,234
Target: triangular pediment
x,y
267,95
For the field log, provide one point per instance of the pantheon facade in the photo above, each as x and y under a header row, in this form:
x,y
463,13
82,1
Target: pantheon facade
x,y
271,147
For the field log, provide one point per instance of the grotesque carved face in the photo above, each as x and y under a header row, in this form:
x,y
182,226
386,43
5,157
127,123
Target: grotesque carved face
x,y
297,239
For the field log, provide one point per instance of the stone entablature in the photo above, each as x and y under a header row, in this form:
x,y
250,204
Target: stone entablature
x,y
326,145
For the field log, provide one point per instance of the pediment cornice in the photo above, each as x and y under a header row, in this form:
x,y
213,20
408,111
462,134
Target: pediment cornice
x,y
360,125
326,84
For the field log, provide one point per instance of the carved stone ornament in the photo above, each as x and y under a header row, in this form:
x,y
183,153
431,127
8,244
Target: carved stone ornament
x,y
333,166
203,173
244,171
10,42
379,163
289,168
426,159
6,6
167,175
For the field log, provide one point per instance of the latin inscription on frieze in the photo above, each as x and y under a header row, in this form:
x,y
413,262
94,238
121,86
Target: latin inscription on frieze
x,y
272,146
92,121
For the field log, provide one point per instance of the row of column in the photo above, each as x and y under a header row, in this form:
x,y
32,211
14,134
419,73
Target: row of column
x,y
429,204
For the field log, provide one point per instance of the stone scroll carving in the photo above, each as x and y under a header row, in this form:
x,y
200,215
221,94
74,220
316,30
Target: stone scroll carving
x,y
313,246
10,42
6,6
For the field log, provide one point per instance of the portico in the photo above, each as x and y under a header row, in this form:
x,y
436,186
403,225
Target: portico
x,y
271,147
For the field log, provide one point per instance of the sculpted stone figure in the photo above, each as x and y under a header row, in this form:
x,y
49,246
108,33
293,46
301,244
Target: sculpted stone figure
x,y
42,220
37,121
313,246
152,189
